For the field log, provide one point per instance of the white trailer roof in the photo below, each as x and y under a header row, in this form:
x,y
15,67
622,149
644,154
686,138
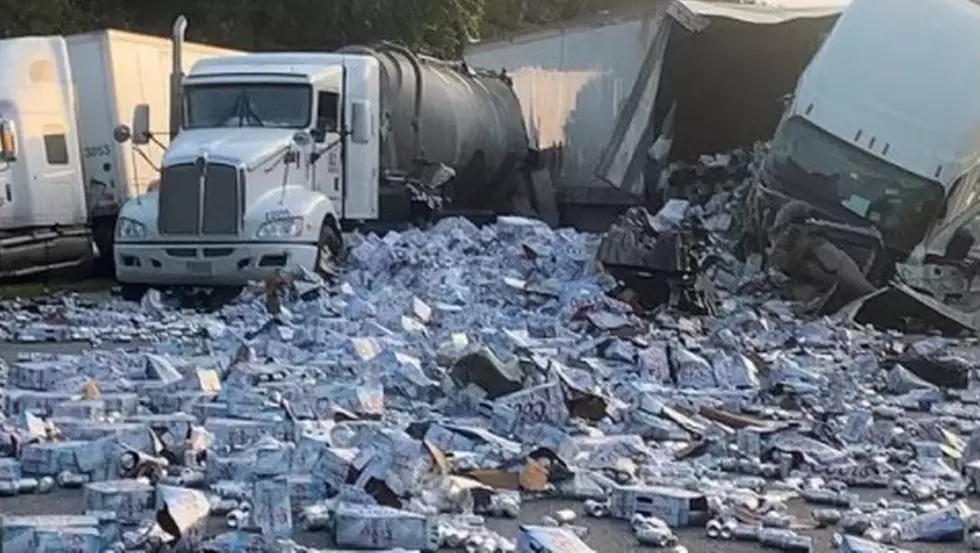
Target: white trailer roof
x,y
769,13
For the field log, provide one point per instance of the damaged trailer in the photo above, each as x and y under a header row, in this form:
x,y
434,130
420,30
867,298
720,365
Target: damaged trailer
x,y
881,140
596,92
730,80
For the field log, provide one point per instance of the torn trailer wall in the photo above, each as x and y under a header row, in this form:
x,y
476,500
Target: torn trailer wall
x,y
595,93
729,80
574,80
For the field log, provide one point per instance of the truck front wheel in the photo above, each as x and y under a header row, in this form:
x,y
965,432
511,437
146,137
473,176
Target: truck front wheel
x,y
329,248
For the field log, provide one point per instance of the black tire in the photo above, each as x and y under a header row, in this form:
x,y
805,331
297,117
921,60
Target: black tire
x,y
221,296
132,292
329,248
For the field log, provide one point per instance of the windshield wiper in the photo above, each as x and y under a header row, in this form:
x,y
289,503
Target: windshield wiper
x,y
249,112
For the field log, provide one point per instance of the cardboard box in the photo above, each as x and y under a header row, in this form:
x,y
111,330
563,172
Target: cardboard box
x,y
672,505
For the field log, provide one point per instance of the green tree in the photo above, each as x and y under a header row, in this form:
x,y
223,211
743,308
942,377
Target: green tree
x,y
437,27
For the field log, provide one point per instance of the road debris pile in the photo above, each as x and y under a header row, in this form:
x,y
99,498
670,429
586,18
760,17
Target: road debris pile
x,y
446,377
658,259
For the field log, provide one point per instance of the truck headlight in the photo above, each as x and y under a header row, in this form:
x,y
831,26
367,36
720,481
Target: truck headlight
x,y
129,228
281,228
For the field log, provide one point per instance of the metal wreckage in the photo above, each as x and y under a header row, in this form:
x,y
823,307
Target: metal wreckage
x,y
912,274
832,264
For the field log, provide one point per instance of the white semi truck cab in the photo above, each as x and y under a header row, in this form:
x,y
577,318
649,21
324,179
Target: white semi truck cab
x,y
271,153
253,181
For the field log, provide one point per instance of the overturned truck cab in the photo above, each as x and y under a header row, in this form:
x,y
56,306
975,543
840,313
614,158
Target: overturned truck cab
x,y
878,140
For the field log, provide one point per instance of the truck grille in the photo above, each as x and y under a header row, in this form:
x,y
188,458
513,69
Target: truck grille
x,y
183,210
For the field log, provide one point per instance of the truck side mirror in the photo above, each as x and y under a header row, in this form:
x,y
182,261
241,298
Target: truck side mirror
x,y
141,124
8,140
360,120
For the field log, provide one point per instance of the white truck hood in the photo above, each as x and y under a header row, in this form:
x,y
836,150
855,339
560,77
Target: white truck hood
x,y
231,145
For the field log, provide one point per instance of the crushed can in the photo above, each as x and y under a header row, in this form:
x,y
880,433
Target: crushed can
x,y
45,484
827,497
27,485
785,540
70,480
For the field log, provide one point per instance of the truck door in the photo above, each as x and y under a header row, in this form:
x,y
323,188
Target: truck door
x,y
328,169
55,182
361,154
45,187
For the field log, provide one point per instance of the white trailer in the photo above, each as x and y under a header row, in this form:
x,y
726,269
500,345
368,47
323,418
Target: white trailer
x,y
64,178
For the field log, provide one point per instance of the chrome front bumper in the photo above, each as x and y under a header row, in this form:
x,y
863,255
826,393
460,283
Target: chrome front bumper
x,y
218,264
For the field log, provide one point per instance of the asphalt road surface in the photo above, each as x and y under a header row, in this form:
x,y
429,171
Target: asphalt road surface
x,y
605,536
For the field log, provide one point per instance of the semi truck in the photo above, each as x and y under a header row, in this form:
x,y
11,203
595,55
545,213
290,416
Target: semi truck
x,y
62,177
882,136
273,155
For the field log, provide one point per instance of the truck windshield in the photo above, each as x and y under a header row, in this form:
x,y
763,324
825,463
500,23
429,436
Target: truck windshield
x,y
810,164
284,106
